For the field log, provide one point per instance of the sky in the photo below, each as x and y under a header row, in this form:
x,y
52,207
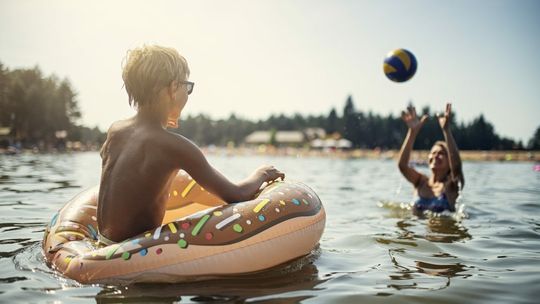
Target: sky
x,y
257,58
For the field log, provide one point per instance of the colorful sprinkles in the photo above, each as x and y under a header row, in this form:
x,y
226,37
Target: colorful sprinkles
x,y
259,212
53,220
237,228
182,243
188,188
112,251
227,221
260,205
172,227
199,225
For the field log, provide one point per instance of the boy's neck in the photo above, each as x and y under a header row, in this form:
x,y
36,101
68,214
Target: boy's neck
x,y
152,115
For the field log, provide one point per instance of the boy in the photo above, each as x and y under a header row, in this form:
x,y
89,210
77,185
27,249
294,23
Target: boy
x,y
140,158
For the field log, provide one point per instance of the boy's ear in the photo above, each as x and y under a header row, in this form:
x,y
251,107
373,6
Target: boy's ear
x,y
172,90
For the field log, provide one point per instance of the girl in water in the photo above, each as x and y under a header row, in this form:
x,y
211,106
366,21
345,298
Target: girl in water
x,y
439,191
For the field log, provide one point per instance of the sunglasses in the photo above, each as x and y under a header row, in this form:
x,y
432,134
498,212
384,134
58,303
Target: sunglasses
x,y
189,86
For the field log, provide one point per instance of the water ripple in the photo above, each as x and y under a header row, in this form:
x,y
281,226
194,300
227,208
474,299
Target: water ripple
x,y
373,250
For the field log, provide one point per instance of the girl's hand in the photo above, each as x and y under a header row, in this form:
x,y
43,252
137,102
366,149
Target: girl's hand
x,y
411,119
269,173
446,118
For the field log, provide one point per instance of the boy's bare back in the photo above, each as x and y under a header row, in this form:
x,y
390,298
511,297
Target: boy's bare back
x,y
136,177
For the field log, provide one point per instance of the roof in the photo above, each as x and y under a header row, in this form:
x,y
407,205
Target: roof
x,y
263,137
289,137
258,137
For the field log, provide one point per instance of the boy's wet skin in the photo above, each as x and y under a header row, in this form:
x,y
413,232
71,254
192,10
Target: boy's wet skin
x,y
140,158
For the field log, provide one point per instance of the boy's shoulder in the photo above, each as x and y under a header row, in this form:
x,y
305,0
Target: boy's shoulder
x,y
119,125
141,133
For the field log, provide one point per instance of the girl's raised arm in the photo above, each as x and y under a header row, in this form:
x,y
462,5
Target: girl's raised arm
x,y
453,154
414,124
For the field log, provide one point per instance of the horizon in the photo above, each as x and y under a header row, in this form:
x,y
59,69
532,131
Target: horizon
x,y
284,57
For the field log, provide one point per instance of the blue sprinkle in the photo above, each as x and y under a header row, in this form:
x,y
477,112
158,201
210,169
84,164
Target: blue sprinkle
x,y
92,231
261,218
144,252
296,202
135,241
53,221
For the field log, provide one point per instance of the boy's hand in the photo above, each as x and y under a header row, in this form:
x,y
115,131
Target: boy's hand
x,y
269,173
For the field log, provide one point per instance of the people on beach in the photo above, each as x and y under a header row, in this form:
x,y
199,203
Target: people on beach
x,y
439,191
140,158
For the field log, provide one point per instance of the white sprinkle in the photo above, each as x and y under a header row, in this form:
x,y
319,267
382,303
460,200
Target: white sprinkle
x,y
157,233
228,220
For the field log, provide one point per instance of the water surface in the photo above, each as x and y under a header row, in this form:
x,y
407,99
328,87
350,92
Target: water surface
x,y
373,249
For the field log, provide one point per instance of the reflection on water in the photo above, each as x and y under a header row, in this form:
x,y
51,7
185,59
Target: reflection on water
x,y
373,249
410,268
301,275
446,230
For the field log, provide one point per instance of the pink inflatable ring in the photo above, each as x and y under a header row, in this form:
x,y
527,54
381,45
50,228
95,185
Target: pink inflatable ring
x,y
201,236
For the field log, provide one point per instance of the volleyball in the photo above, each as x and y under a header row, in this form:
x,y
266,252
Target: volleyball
x,y
399,65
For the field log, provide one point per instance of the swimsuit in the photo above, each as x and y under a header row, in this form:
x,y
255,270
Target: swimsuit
x,y
435,204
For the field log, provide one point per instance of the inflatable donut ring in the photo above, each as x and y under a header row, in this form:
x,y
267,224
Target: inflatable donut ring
x,y
201,236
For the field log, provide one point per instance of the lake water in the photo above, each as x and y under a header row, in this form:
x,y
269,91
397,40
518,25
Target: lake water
x,y
372,251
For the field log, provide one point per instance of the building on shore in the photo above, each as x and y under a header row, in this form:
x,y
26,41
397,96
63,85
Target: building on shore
x,y
331,143
314,138
276,138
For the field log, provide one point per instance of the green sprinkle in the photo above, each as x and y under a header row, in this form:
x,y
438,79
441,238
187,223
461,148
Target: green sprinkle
x,y
238,228
199,225
305,202
182,243
112,251
126,255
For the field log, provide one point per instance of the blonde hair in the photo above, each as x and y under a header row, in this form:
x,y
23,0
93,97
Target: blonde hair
x,y
148,69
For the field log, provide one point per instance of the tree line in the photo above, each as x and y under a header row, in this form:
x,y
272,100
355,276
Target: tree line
x,y
35,107
364,130
40,111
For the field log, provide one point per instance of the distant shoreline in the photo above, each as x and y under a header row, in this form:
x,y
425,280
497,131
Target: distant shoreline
x,y
417,156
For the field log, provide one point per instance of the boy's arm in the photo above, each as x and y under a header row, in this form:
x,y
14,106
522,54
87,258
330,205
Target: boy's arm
x,y
414,125
187,156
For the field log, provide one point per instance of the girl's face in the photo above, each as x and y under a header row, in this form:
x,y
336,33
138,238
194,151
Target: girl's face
x,y
438,159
